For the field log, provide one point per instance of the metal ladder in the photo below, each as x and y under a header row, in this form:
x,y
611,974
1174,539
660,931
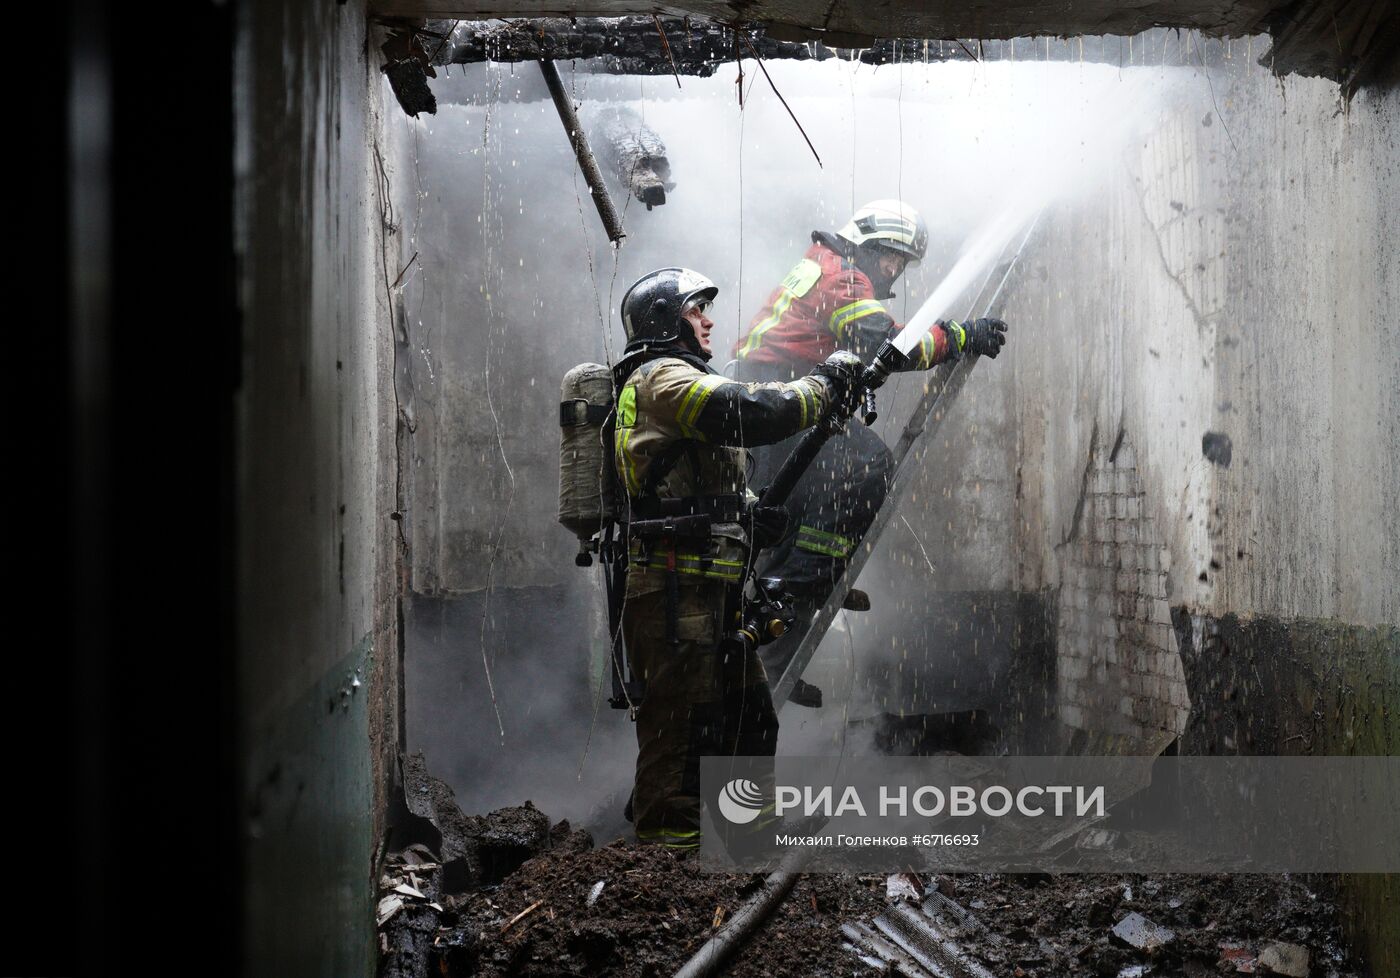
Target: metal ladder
x,y
944,385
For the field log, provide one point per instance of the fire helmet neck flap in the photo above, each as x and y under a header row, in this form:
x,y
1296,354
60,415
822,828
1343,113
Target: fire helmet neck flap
x,y
653,308
885,225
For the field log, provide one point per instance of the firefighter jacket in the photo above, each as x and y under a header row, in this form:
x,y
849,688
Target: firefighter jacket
x,y
826,303
680,433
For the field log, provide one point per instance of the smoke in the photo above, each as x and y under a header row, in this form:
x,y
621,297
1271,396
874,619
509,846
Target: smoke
x,y
516,275
1063,154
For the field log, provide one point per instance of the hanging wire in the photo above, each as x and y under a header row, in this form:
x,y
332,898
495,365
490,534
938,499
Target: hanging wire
x,y
489,252
602,317
792,115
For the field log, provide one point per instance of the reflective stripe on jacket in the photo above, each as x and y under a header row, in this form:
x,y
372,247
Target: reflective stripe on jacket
x,y
667,400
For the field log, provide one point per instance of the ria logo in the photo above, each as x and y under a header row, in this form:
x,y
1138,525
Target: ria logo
x,y
740,801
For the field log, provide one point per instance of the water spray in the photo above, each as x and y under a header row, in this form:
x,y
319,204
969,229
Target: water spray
x,y
980,253
947,382
893,355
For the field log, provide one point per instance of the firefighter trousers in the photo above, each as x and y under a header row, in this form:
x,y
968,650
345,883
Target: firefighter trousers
x,y
831,508
829,511
698,702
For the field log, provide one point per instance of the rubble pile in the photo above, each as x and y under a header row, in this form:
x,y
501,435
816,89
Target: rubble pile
x,y
509,894
566,908
651,913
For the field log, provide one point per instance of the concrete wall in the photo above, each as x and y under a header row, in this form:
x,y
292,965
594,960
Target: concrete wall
x,y
318,658
1239,277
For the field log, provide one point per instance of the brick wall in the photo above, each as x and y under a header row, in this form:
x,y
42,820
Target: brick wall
x,y
1119,670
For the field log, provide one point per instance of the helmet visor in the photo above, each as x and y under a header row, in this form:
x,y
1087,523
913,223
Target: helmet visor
x,y
909,252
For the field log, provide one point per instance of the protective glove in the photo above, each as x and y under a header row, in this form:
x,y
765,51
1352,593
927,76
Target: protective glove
x,y
983,336
842,372
767,525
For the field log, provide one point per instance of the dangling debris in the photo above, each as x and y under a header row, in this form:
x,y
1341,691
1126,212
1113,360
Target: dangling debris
x,y
635,154
407,64
791,114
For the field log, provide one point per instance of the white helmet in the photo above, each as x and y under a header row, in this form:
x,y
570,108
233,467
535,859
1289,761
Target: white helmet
x,y
891,224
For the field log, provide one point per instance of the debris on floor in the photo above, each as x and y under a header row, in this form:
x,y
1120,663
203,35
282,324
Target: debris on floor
x,y
1137,931
1285,959
652,912
932,939
594,893
1237,957
531,900
905,886
1055,926
478,850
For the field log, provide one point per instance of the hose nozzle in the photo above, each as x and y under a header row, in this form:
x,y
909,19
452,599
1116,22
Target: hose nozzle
x,y
888,359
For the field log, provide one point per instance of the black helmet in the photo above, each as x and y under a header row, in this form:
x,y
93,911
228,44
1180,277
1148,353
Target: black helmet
x,y
652,307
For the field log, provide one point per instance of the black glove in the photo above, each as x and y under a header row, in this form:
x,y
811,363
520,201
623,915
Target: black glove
x,y
767,525
842,372
984,336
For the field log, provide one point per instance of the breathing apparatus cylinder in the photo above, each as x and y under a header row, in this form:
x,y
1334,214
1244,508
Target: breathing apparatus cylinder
x,y
587,491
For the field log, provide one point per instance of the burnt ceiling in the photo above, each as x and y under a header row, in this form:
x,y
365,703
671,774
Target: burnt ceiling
x,y
1351,41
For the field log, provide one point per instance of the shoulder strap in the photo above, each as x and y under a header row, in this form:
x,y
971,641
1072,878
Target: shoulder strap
x,y
662,465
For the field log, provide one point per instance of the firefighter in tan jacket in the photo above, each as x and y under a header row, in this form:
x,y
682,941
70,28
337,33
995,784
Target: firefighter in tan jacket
x,y
679,447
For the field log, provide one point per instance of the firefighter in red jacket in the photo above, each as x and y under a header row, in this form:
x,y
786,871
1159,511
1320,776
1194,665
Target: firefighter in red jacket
x,y
832,300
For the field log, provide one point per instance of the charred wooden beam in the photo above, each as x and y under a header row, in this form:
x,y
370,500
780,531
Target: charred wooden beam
x,y
639,45
635,45
1357,44
625,45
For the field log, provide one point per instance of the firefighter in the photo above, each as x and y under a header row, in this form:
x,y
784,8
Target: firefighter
x,y
832,300
678,429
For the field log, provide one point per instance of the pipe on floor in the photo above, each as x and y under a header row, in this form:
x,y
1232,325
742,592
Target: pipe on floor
x,y
747,918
